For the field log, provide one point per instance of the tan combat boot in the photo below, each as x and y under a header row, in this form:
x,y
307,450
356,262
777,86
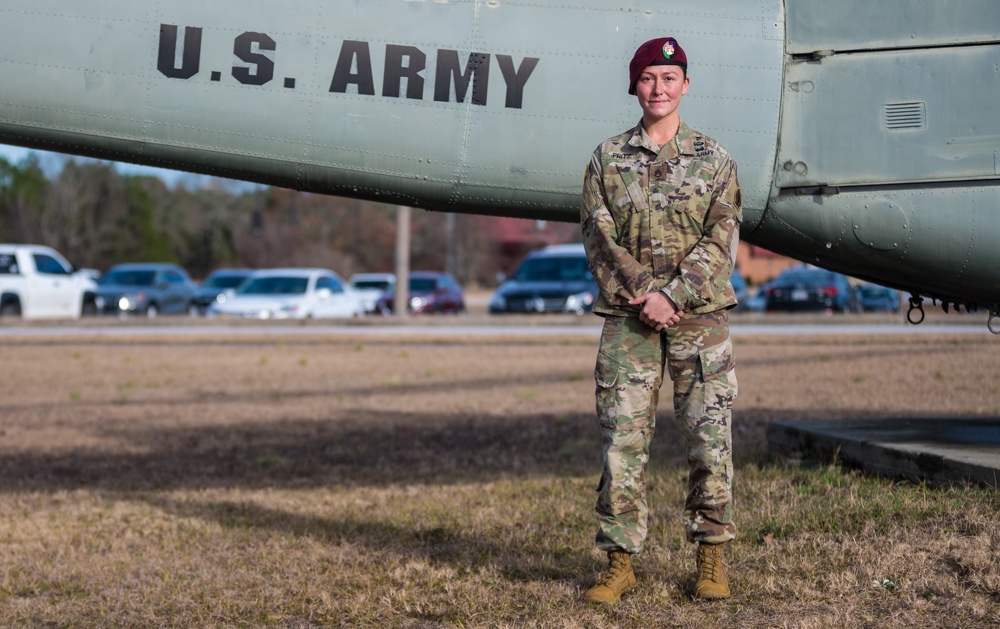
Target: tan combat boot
x,y
617,579
712,581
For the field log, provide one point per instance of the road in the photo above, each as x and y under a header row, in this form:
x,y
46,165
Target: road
x,y
480,324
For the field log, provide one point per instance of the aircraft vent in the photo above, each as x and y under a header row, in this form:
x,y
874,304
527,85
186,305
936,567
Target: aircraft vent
x,y
904,116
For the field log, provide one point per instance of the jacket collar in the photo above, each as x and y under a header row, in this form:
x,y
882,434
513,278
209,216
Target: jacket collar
x,y
682,144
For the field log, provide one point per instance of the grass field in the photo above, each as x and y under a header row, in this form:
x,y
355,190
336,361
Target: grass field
x,y
315,481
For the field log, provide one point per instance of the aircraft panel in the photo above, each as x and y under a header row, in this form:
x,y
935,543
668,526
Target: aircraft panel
x,y
347,130
251,90
92,60
560,105
377,137
937,240
866,24
727,99
894,116
311,122
735,51
426,25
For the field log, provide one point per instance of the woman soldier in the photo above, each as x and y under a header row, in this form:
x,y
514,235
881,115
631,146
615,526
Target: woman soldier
x,y
660,217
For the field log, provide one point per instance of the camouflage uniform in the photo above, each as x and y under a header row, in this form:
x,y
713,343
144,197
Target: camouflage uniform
x,y
663,219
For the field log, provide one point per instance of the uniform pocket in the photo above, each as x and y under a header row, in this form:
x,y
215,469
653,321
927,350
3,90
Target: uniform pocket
x,y
633,183
717,360
692,199
606,378
606,370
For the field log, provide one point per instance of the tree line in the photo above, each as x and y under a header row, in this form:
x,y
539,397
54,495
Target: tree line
x,y
98,217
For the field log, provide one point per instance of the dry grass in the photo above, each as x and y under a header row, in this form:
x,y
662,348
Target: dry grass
x,y
321,482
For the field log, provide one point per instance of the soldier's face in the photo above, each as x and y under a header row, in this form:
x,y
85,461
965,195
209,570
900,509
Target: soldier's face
x,y
659,90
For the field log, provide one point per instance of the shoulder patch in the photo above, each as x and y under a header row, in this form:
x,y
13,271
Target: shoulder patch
x,y
700,146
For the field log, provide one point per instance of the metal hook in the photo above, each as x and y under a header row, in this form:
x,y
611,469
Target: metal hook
x,y
916,305
993,323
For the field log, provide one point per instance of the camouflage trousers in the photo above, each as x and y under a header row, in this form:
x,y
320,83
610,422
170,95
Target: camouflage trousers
x,y
698,354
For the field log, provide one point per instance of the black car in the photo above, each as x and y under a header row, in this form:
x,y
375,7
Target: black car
x,y
219,286
553,279
811,290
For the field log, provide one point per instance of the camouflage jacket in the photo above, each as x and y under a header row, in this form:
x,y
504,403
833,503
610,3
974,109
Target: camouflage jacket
x,y
661,218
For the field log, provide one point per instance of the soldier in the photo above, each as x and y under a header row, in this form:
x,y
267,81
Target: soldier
x,y
660,217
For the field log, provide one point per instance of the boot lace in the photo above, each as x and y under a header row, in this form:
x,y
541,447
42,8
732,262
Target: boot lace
x,y
616,568
710,563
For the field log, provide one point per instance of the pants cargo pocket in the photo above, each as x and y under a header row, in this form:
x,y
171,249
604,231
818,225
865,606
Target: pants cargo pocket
x,y
717,360
606,378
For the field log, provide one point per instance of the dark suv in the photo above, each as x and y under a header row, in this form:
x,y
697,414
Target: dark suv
x,y
553,279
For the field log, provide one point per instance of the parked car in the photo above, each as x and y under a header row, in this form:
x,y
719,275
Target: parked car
x,y
811,289
218,287
741,290
149,288
757,300
429,291
371,287
37,282
553,279
875,298
294,293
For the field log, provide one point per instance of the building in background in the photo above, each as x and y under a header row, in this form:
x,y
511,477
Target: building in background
x,y
758,265
514,238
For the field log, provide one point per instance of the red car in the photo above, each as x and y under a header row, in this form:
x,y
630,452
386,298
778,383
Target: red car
x,y
429,291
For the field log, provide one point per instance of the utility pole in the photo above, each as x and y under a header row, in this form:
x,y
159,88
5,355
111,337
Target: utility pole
x,y
451,265
401,296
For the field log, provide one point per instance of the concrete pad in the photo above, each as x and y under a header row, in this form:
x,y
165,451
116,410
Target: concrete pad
x,y
938,451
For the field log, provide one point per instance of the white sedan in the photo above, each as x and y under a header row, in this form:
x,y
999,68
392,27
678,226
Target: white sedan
x,y
371,287
291,294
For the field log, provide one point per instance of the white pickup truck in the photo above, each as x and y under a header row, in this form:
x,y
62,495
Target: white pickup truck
x,y
38,283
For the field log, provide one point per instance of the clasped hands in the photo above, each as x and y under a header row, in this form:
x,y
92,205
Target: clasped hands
x,y
658,311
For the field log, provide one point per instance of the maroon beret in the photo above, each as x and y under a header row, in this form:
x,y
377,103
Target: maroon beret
x,y
662,51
